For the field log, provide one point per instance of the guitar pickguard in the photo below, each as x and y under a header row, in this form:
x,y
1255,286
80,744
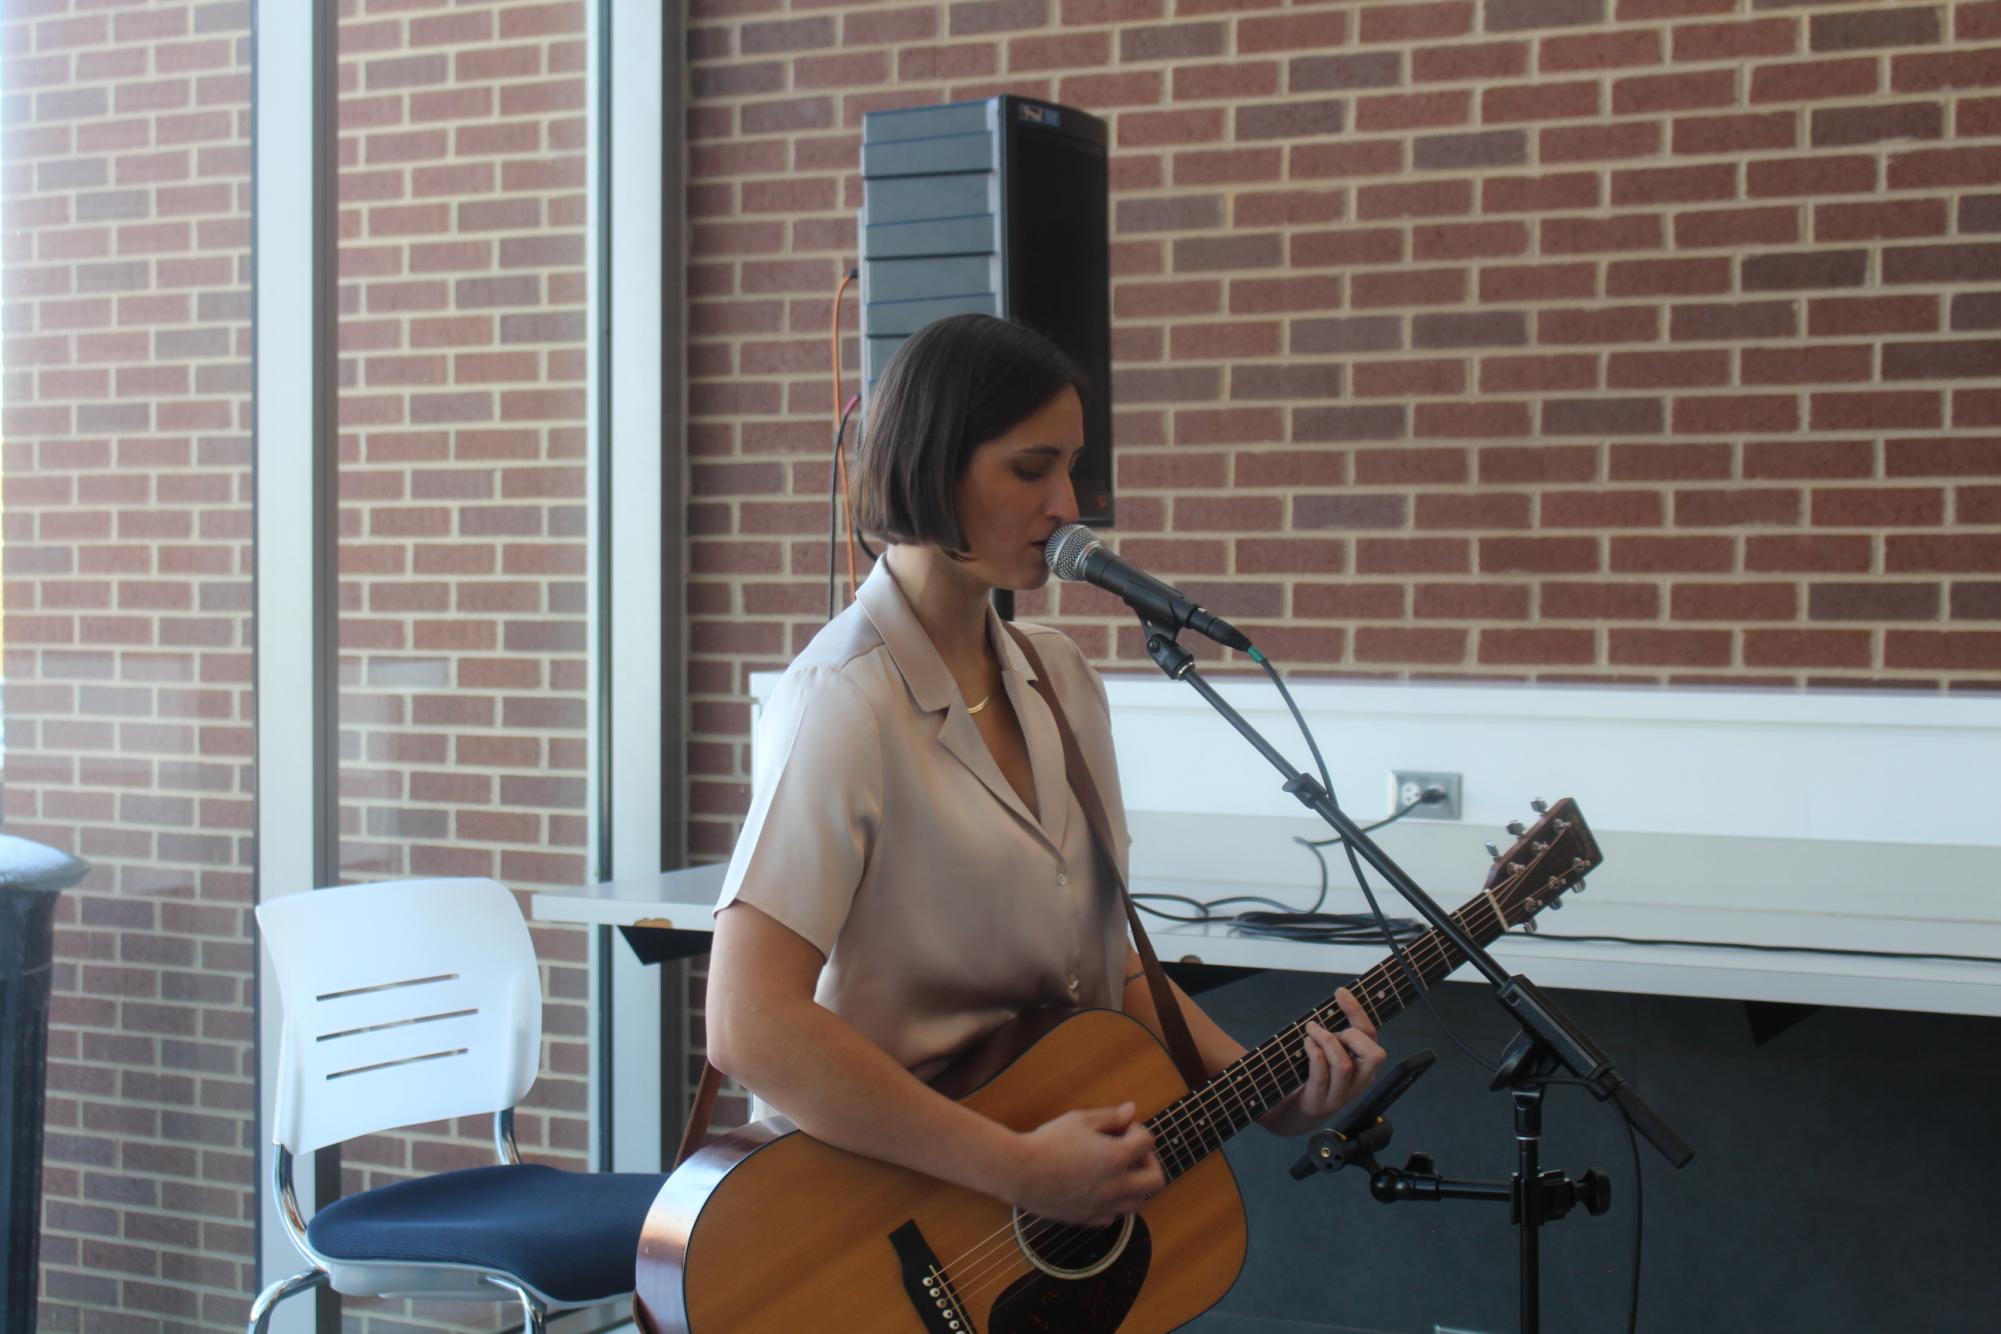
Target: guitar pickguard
x,y
1039,1303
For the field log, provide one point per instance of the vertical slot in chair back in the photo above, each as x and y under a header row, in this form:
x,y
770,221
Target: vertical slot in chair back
x,y
404,1002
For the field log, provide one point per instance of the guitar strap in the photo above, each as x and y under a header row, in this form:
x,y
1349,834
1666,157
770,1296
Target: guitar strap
x,y
1180,1043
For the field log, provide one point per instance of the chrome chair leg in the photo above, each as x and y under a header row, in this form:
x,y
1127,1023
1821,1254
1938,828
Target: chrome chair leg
x,y
531,1309
267,1300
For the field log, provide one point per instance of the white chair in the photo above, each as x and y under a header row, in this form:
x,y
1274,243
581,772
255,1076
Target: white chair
x,y
413,1001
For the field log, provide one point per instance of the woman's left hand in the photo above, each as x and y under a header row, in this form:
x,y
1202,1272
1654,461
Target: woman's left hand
x,y
1339,1066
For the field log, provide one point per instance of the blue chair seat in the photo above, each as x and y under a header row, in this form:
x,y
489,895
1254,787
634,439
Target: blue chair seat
x,y
569,1235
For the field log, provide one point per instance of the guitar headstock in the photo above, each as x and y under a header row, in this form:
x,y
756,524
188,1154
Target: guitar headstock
x,y
1546,861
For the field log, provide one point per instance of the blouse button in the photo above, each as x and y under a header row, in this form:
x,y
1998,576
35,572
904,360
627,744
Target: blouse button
x,y
1062,879
1073,985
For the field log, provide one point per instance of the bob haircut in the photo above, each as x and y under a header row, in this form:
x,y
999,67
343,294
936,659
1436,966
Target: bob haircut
x,y
954,385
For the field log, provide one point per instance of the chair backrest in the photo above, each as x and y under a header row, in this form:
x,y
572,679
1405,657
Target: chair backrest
x,y
405,1001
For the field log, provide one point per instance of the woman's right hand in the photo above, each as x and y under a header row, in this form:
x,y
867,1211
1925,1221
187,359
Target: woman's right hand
x,y
1087,1167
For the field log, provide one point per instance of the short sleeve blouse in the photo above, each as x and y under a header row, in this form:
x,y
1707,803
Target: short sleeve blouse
x,y
882,830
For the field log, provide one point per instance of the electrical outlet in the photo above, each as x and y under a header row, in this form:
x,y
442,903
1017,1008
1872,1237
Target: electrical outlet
x,y
1407,784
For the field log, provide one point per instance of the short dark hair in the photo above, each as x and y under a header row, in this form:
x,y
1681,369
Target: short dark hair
x,y
954,385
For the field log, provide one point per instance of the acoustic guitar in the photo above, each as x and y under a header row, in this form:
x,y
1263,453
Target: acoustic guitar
x,y
766,1230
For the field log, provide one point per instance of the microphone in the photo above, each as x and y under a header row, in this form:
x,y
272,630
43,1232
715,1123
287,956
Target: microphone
x,y
1075,552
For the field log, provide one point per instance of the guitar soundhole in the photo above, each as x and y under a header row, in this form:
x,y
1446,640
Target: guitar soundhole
x,y
1067,1250
1086,1279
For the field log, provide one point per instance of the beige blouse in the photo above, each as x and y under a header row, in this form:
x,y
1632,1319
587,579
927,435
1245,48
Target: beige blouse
x,y
882,831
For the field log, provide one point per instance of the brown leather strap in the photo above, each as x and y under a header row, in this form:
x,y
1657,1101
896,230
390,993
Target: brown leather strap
x,y
697,1128
1180,1043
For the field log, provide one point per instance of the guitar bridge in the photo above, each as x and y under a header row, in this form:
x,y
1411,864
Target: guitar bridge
x,y
924,1282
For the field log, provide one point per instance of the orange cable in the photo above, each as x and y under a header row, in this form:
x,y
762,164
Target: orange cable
x,y
841,452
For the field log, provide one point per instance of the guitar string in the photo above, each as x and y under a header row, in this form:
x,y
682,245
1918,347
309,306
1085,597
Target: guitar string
x,y
1181,1116
1432,949
1185,1113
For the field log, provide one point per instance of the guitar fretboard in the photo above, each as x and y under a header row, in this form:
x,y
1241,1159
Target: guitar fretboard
x,y
1189,1130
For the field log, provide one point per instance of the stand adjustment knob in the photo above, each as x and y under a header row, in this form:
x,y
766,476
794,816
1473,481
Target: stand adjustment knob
x,y
1594,1191
1421,1164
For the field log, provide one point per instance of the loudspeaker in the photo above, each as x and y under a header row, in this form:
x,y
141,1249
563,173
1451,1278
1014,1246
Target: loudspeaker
x,y
998,207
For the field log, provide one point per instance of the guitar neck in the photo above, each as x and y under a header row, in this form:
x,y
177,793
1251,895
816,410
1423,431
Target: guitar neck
x,y
1190,1129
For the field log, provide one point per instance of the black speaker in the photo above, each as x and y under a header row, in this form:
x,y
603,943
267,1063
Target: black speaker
x,y
998,207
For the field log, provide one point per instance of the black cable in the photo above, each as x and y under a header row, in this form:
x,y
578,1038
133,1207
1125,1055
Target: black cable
x,y
1771,949
1355,864
1639,1220
1206,906
834,507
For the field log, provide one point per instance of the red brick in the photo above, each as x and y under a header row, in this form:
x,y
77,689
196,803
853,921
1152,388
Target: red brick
x,y
1538,646
1517,283
1485,601
1384,643
1390,112
1610,324
1600,51
1292,32
1504,375
1515,104
1413,555
1627,646
1470,421
1809,554
1827,364
1734,602
1813,80
1667,277
1483,62
1951,553
1807,648
1672,555
1887,507
1416,22
1887,410
1685,90
1472,512
1775,459
1559,600
1599,235
1539,555
1736,41
1950,650
1873,601
1943,71
1812,176
1348,601
1601,509
1519,464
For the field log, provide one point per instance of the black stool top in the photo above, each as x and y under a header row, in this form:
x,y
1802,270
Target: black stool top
x,y
28,865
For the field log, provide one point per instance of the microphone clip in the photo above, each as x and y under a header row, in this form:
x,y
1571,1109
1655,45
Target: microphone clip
x,y
1166,650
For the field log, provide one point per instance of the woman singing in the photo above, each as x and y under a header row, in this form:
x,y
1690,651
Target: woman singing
x,y
915,869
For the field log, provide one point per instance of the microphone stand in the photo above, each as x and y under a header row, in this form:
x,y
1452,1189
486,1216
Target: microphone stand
x,y
1549,1039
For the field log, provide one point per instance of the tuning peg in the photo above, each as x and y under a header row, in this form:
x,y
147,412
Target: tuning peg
x,y
1517,828
1578,887
1493,851
1529,926
1555,903
1539,806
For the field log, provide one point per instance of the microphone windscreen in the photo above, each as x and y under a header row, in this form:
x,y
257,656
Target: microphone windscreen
x,y
1066,549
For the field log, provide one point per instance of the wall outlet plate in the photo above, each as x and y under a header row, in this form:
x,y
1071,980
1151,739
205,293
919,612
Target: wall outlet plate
x,y
1405,784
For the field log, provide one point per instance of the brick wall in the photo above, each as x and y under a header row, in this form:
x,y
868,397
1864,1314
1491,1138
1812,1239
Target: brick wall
x,y
126,507
1650,341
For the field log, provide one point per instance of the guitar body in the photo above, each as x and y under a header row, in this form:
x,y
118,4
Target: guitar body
x,y
769,1231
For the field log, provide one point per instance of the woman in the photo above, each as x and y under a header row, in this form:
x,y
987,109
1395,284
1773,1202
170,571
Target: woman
x,y
915,869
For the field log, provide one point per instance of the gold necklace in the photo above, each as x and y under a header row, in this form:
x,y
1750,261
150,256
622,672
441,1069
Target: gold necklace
x,y
981,705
